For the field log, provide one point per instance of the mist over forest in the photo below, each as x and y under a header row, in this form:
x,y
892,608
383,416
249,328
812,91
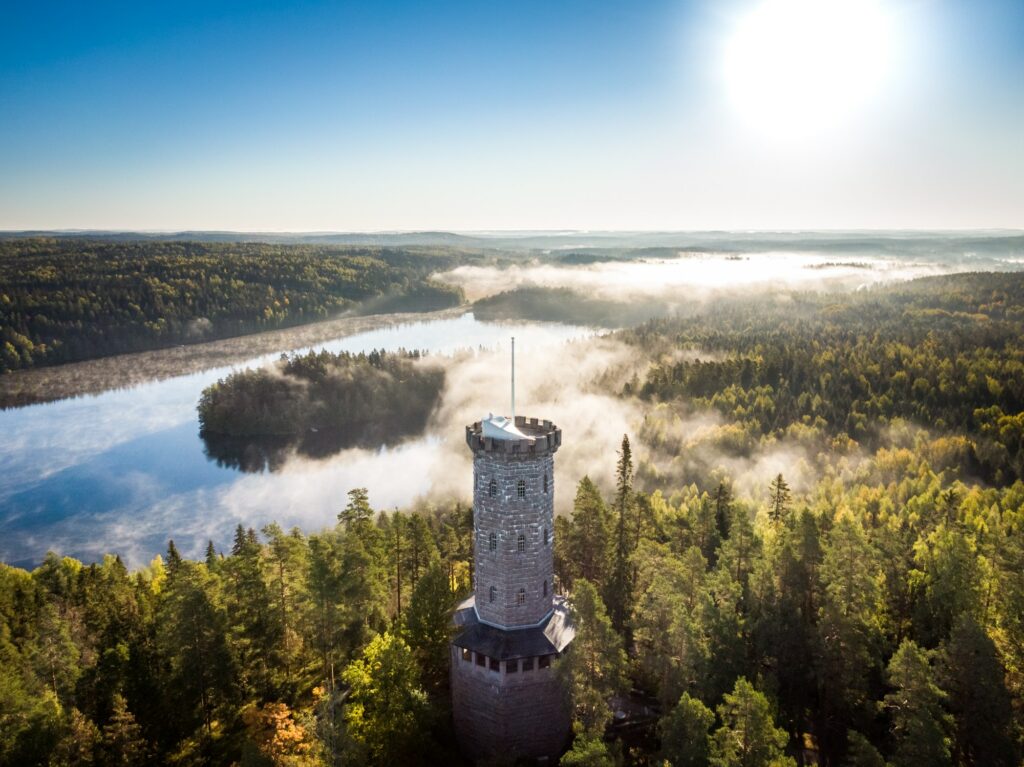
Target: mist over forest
x,y
791,480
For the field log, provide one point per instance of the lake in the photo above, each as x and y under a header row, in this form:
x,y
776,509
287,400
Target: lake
x,y
125,470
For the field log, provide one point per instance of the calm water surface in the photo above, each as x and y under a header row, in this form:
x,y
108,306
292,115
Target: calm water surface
x,y
125,470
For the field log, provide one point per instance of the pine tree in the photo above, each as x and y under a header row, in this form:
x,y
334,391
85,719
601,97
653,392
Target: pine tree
x,y
192,642
684,733
357,510
78,746
288,562
427,625
723,502
586,539
972,676
596,667
780,497
748,736
850,627
919,722
123,744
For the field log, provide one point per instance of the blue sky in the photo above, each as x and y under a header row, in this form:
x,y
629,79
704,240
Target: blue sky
x,y
486,115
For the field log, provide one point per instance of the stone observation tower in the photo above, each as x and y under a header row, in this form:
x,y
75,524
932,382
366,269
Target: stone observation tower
x,y
506,699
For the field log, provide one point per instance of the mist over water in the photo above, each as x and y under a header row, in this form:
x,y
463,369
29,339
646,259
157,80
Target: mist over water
x,y
125,470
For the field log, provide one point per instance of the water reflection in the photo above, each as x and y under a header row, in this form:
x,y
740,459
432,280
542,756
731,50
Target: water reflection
x,y
125,470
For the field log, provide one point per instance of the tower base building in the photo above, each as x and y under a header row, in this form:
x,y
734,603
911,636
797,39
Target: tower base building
x,y
506,699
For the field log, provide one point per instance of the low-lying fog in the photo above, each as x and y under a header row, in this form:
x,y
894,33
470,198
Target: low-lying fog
x,y
694,276
125,470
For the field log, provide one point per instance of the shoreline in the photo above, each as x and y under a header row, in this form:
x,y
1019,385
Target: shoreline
x,y
123,371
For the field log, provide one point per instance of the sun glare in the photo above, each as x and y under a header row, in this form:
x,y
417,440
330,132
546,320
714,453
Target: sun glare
x,y
793,67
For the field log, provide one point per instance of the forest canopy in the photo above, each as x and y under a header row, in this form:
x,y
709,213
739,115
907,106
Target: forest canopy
x,y
319,403
63,299
870,614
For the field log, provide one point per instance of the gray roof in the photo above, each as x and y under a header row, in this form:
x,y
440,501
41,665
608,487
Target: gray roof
x,y
549,638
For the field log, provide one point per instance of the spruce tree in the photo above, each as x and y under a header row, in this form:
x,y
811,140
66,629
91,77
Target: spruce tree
x,y
780,497
619,595
920,724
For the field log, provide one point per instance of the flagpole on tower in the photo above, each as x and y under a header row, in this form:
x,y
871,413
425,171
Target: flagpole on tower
x,y
513,380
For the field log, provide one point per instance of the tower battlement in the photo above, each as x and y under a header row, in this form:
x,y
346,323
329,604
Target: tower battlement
x,y
542,437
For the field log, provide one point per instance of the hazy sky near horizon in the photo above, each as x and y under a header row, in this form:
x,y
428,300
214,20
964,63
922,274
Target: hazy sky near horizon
x,y
476,115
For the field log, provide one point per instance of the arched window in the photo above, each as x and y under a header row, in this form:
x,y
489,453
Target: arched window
x,y
545,483
492,488
493,593
521,488
492,542
545,588
521,597
521,543
545,536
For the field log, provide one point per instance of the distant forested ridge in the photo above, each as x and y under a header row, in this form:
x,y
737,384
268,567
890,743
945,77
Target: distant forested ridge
x,y
943,352
567,306
319,402
63,299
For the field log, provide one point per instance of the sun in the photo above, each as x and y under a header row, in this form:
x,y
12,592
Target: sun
x,y
799,66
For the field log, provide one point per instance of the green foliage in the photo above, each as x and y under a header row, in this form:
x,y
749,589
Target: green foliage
x,y
748,736
318,402
971,675
618,593
920,724
233,659
123,744
879,605
596,667
428,624
566,306
386,708
684,733
946,352
68,299
585,547
588,751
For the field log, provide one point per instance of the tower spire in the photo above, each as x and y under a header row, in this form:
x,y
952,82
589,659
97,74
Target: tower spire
x,y
513,380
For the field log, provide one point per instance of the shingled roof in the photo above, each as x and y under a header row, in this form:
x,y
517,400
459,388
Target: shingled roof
x,y
549,638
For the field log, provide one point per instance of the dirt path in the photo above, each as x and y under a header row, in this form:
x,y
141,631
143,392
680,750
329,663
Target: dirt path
x,y
74,379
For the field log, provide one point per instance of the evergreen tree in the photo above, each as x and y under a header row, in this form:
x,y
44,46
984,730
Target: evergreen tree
x,y
427,625
287,562
191,635
78,745
585,541
748,736
684,733
358,509
123,744
851,630
972,678
919,723
723,502
588,751
256,633
596,668
619,593
860,752
780,497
